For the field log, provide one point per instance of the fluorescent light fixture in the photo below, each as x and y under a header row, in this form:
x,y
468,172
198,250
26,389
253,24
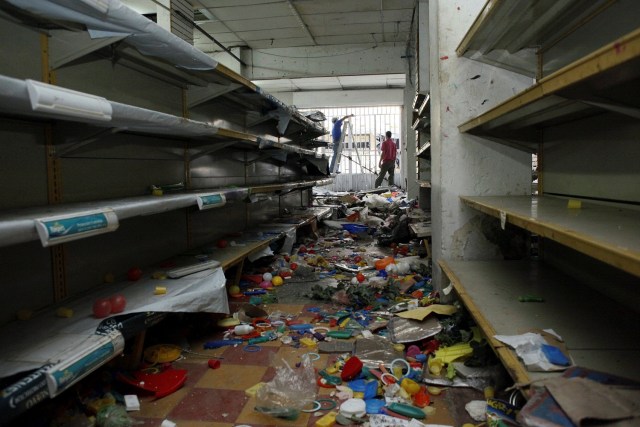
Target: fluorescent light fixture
x,y
208,201
66,102
64,228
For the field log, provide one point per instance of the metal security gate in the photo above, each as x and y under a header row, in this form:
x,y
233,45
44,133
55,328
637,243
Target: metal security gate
x,y
369,127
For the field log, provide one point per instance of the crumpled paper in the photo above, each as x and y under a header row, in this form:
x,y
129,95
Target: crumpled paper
x,y
528,347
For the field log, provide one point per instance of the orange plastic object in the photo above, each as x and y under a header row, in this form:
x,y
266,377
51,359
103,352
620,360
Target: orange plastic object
x,y
381,264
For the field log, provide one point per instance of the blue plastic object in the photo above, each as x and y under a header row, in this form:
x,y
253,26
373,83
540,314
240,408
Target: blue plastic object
x,y
555,355
368,388
374,406
355,228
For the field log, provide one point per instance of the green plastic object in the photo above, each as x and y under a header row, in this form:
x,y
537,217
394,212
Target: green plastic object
x,y
343,335
407,410
259,340
330,379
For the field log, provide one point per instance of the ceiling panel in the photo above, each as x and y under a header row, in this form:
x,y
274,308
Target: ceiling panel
x,y
258,11
265,24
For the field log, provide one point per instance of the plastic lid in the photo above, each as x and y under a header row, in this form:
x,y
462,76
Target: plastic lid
x,y
374,406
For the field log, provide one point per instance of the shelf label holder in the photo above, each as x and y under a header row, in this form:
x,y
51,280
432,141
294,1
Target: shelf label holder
x,y
209,201
64,228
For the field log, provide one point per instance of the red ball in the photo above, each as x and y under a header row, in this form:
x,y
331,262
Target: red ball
x,y
134,274
118,303
102,307
222,243
360,277
293,266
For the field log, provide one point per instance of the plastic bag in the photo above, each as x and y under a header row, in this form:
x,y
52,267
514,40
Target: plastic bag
x,y
289,391
115,416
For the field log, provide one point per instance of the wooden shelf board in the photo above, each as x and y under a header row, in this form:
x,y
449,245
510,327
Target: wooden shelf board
x,y
567,92
610,234
599,334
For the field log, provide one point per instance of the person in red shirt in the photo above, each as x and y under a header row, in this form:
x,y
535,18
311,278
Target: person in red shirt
x,y
387,160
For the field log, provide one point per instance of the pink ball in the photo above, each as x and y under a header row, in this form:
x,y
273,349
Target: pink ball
x,y
266,285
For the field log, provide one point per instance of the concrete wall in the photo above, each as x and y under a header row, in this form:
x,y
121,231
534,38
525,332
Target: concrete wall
x,y
462,164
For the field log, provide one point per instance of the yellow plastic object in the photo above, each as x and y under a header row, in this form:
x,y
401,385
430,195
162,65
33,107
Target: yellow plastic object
x,y
251,391
157,192
277,281
228,322
307,342
162,353
95,405
159,275
398,347
160,290
489,392
574,204
435,365
451,353
328,420
65,312
434,391
410,386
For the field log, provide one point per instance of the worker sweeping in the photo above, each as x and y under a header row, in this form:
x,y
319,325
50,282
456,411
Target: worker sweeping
x,y
387,160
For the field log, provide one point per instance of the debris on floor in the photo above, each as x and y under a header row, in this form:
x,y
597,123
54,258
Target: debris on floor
x,y
348,323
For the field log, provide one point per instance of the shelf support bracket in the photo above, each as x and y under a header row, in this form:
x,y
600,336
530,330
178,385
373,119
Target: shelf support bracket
x,y
81,142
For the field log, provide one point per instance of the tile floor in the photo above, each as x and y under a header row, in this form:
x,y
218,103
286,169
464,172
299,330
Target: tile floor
x,y
216,397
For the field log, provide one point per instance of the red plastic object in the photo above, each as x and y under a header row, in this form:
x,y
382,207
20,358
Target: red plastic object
x,y
351,369
360,277
160,384
213,364
102,307
134,274
293,266
255,278
222,243
118,303
421,399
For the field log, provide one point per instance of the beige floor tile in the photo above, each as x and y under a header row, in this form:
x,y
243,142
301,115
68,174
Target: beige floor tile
x,y
159,408
232,377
